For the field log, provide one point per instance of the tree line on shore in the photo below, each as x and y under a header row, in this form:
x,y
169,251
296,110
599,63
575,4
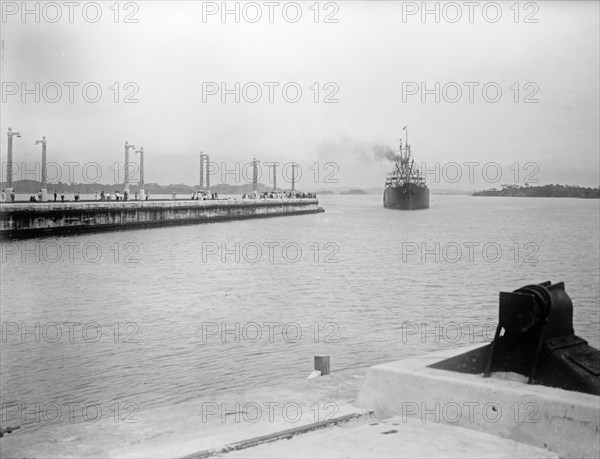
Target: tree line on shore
x,y
543,191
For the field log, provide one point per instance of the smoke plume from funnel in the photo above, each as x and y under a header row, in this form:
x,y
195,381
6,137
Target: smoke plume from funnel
x,y
361,150
385,152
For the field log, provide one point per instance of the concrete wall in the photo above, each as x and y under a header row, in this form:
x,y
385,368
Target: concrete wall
x,y
35,219
561,421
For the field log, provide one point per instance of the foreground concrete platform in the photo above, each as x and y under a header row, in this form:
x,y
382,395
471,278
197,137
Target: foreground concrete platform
x,y
564,422
398,409
393,438
201,427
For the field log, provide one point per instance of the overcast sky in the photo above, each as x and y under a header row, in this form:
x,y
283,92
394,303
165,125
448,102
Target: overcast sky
x,y
376,58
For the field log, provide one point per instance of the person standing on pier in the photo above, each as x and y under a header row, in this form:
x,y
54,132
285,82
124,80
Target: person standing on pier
x,y
2,197
12,196
54,195
62,196
40,196
96,196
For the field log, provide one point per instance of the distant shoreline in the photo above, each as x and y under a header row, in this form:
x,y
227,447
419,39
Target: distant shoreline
x,y
544,191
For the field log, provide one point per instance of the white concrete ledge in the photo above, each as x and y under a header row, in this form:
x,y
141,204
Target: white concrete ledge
x,y
564,422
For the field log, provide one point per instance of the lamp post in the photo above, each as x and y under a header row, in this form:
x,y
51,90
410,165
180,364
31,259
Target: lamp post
x,y
44,190
9,161
207,174
254,174
126,181
274,166
141,192
294,176
203,157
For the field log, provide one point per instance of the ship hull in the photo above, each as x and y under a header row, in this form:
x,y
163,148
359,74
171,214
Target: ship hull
x,y
406,197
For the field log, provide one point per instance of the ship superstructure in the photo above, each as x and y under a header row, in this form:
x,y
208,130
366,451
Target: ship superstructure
x,y
405,186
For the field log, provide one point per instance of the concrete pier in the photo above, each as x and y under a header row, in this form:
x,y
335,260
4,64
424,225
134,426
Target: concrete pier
x,y
352,413
23,220
202,427
401,409
563,422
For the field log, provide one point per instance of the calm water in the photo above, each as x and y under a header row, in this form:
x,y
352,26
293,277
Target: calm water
x,y
150,305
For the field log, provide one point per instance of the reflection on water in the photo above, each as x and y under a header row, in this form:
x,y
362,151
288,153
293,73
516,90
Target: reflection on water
x,y
161,316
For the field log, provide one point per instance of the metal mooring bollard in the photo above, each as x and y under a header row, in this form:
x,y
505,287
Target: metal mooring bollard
x,y
535,338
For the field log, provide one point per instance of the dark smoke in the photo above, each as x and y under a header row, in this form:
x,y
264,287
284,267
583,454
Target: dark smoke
x,y
384,152
365,151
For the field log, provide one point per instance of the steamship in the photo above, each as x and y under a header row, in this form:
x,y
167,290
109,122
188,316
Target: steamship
x,y
405,186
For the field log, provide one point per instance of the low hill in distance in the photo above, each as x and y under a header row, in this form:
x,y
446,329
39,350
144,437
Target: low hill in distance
x,y
543,191
32,187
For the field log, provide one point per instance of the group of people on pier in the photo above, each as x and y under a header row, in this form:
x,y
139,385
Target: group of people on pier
x,y
118,196
201,196
3,196
278,195
103,196
196,196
